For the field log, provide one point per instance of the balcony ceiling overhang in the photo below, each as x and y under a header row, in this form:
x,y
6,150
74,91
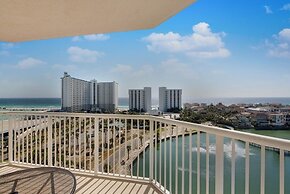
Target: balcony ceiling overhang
x,y
24,20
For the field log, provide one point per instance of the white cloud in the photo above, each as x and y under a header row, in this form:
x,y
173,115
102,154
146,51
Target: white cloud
x,y
4,53
284,35
167,68
98,37
120,68
280,47
130,71
143,71
7,45
172,67
29,63
91,37
268,9
76,39
202,43
173,72
286,7
67,68
80,55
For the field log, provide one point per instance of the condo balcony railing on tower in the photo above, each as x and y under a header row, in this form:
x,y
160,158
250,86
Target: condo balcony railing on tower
x,y
173,156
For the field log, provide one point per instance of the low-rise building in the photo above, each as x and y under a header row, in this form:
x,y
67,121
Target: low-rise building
x,y
244,120
261,119
288,119
277,119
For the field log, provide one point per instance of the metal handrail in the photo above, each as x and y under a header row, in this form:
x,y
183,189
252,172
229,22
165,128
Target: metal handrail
x,y
101,144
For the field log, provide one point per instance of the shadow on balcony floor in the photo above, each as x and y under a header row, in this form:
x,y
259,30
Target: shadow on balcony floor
x,y
90,184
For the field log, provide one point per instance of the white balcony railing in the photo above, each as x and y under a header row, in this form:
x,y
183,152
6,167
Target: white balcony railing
x,y
176,157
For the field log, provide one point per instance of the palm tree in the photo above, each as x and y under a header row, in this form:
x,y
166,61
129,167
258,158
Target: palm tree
x,y
122,138
141,138
128,150
106,167
158,134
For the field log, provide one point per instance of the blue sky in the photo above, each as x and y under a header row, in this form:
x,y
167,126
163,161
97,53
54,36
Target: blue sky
x,y
219,48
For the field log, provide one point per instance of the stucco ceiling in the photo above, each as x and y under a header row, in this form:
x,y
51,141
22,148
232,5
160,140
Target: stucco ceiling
x,y
24,20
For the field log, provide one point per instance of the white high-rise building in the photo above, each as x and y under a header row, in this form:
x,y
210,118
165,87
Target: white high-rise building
x,y
108,96
75,94
80,95
94,94
140,99
169,99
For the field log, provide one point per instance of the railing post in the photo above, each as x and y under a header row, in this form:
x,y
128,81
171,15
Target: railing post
x,y
219,165
49,141
96,141
151,152
10,139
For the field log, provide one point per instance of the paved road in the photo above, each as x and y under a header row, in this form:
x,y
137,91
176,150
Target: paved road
x,y
123,153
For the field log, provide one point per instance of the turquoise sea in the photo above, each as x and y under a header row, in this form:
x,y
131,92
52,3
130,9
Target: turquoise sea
x,y
54,103
30,103
124,102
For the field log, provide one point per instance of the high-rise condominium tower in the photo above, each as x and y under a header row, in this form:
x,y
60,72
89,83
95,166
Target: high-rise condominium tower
x,y
140,99
80,95
169,99
107,96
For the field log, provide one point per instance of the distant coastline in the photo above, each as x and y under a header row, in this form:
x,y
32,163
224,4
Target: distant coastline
x,y
240,100
30,103
124,102
48,103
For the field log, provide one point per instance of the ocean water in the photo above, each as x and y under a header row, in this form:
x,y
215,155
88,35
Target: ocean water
x,y
42,102
124,102
46,103
30,102
229,101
